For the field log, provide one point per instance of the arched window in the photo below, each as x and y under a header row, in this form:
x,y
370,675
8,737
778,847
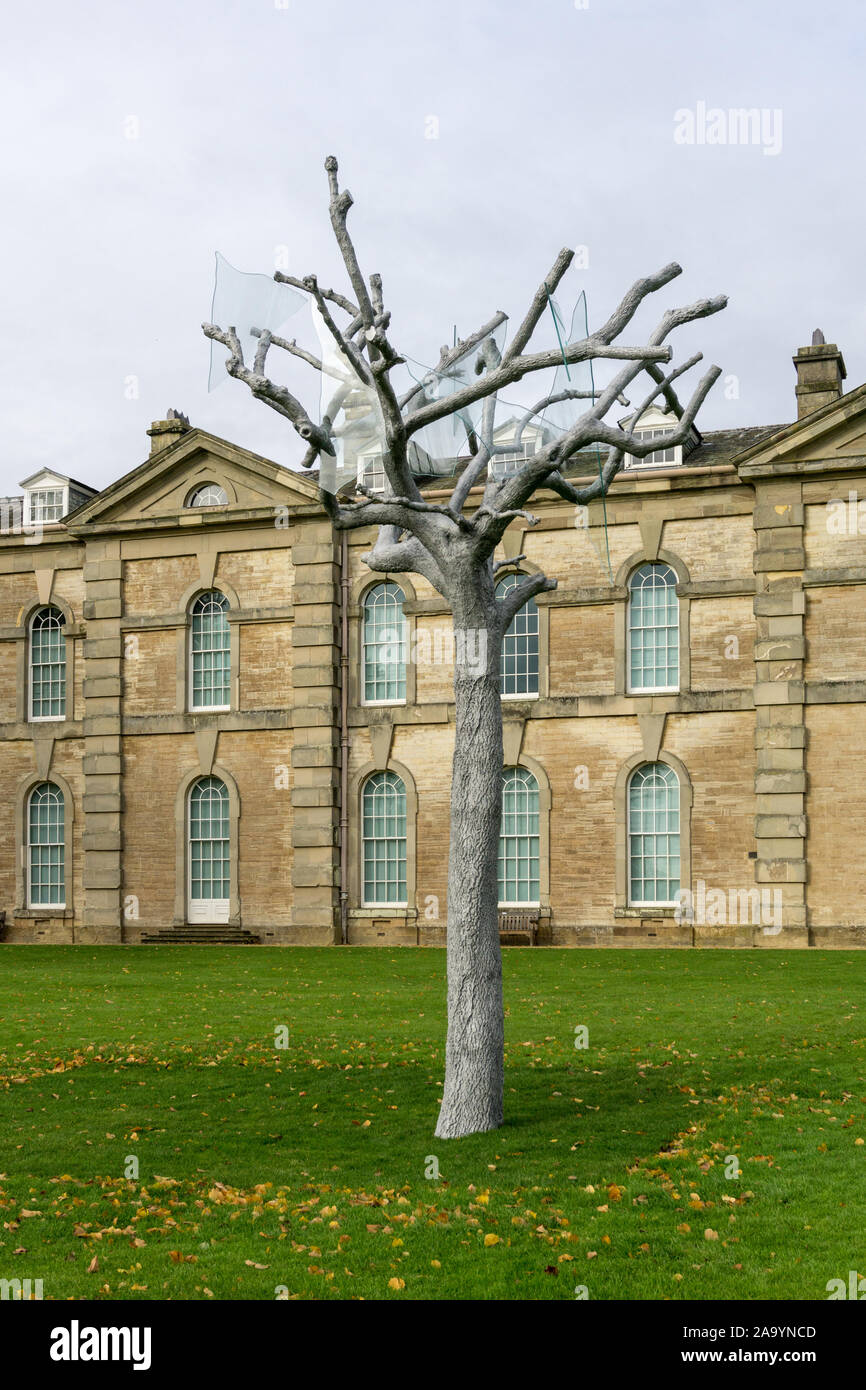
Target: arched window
x,y
210,655
384,645
47,665
383,818
209,851
518,669
46,852
519,838
653,629
653,834
207,495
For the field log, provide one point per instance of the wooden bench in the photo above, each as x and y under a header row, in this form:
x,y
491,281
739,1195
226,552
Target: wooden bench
x,y
519,922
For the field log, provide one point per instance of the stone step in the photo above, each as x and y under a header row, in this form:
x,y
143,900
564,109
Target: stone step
x,y
201,935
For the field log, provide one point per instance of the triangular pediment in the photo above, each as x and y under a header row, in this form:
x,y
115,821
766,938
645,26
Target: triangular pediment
x,y
159,490
831,438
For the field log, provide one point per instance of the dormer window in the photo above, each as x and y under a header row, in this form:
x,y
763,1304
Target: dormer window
x,y
371,474
508,457
656,424
50,496
208,495
505,462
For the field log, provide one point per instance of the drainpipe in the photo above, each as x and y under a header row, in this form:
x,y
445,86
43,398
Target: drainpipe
x,y
344,738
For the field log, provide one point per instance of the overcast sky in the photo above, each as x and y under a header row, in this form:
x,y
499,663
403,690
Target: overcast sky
x,y
138,139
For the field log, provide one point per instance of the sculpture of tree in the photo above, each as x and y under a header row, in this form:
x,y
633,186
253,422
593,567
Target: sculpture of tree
x,y
452,545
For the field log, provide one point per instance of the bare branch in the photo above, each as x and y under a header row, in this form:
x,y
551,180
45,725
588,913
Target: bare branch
x,y
287,346
332,295
539,304
277,397
511,602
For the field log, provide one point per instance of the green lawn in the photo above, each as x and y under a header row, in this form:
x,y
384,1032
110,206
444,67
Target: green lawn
x,y
304,1166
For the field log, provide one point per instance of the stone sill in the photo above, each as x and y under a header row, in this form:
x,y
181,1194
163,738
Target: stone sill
x,y
360,914
25,914
648,914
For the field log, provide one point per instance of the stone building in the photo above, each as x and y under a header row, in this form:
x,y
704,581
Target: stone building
x,y
212,714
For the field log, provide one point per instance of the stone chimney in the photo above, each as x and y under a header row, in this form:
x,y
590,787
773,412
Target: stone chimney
x,y
820,373
164,433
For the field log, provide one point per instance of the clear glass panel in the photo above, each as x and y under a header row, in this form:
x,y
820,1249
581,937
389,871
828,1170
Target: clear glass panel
x,y
47,665
244,301
519,662
209,839
209,495
383,817
46,846
210,651
654,834
46,504
384,642
519,838
653,629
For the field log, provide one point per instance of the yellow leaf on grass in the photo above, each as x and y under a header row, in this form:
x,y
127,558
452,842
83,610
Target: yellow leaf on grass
x,y
396,1283
491,1239
710,1234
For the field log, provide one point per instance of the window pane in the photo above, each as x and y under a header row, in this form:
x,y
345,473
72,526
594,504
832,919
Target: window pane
x,y
209,839
384,643
46,847
654,834
519,838
653,629
518,670
383,817
210,651
47,665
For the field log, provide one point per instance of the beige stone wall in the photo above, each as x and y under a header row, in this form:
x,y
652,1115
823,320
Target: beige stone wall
x,y
576,555
8,682
712,548
581,649
152,587
150,671
261,578
830,549
836,808
265,665
722,640
836,633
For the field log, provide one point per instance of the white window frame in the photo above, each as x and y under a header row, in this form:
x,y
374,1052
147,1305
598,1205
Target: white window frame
x,y
516,694
30,845
404,641
652,460
652,902
500,464
46,718
32,516
205,487
193,708
650,689
207,910
504,904
372,465
365,840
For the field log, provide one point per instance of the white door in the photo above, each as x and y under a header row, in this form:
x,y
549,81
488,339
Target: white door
x,y
208,872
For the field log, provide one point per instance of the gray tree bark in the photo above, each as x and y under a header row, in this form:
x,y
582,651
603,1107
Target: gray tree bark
x,y
472,1099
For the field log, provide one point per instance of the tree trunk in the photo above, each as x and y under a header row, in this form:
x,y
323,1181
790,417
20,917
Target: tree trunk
x,y
474,1061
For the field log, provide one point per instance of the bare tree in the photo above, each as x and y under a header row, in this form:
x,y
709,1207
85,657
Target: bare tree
x,y
452,545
